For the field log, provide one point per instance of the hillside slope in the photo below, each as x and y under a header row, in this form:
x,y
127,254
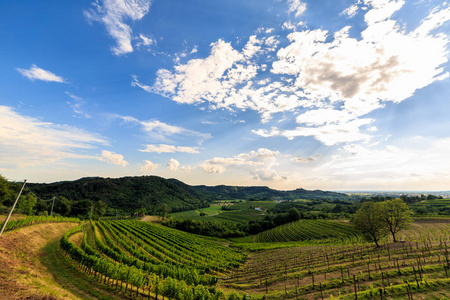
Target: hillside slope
x,y
126,193
150,192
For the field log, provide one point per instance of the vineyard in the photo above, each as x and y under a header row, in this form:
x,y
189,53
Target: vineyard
x,y
304,230
417,267
314,259
147,260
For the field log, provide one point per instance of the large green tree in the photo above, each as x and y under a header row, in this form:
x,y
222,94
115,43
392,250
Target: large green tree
x,y
369,220
396,215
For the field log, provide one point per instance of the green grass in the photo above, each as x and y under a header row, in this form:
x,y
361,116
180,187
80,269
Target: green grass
x,y
250,205
241,212
73,280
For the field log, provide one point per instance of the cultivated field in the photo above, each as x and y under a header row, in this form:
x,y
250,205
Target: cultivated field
x,y
315,259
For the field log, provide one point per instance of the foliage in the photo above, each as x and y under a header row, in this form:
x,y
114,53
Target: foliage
x,y
26,204
37,220
128,193
369,220
376,219
4,188
396,215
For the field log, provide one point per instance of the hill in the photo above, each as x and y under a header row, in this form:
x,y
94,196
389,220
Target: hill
x,y
150,192
126,193
262,192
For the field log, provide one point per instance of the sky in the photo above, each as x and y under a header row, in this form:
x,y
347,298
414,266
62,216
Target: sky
x,y
324,94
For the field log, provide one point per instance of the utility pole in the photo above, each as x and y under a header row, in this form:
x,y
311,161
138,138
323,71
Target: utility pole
x,y
12,208
51,213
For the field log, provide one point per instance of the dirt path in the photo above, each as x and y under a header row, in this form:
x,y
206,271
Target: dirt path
x,y
152,219
22,275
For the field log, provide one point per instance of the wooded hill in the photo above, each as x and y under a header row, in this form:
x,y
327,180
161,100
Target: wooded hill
x,y
150,192
262,192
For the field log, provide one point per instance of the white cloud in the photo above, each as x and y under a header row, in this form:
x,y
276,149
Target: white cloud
x,y
258,163
114,14
27,141
387,64
187,169
334,79
77,105
144,41
297,7
305,160
163,148
35,73
113,158
149,166
212,168
266,175
351,11
172,164
328,134
162,131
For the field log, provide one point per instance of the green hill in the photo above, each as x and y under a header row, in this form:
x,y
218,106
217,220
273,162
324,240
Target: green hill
x,y
127,193
150,192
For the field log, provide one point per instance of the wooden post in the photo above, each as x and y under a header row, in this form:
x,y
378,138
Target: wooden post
x,y
12,208
354,284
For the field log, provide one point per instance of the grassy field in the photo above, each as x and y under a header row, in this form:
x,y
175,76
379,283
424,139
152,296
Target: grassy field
x,y
240,211
435,206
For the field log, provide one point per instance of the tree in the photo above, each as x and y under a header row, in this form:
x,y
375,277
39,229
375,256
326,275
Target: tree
x,y
294,214
396,216
369,220
165,210
26,204
99,209
4,188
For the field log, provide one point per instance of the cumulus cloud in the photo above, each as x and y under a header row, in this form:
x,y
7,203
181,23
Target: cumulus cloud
x,y
27,141
163,148
113,158
36,73
258,163
351,11
223,79
115,14
387,64
172,164
297,7
212,168
149,166
332,78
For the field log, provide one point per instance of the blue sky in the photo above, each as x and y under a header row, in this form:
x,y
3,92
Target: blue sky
x,y
335,95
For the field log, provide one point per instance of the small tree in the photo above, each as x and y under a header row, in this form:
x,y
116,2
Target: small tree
x,y
396,216
369,220
165,210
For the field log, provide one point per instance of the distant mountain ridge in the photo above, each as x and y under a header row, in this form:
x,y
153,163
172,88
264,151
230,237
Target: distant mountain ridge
x,y
150,192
